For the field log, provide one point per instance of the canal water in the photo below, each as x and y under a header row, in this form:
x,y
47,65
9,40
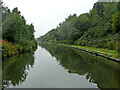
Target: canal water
x,y
52,66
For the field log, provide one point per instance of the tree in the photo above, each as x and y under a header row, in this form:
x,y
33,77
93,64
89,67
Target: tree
x,y
100,8
116,22
4,10
119,5
74,35
13,28
15,11
82,22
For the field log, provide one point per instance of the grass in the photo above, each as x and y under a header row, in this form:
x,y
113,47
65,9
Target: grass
x,y
105,52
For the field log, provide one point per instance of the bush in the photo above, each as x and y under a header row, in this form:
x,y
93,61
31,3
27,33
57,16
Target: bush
x,y
111,45
8,49
117,47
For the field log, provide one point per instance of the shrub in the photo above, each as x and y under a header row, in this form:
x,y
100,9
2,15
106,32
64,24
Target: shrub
x,y
8,49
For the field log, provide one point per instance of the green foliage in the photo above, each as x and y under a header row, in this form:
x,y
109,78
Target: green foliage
x,y
9,49
100,8
118,46
118,5
13,28
15,11
98,28
82,22
16,30
116,22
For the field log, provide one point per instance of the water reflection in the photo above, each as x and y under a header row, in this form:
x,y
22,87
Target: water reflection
x,y
97,70
15,69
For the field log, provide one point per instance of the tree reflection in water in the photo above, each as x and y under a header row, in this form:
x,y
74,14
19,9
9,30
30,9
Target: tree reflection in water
x,y
15,69
103,72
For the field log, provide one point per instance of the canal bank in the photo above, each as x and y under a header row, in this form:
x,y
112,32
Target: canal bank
x,y
95,52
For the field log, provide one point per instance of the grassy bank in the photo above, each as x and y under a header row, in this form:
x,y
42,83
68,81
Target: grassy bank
x,y
105,52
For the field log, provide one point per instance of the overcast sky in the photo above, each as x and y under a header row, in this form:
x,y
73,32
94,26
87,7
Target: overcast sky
x,y
47,14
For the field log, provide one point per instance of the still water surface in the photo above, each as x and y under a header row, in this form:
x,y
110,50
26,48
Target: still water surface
x,y
59,67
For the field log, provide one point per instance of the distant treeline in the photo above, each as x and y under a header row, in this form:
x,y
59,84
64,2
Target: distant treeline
x,y
17,36
99,28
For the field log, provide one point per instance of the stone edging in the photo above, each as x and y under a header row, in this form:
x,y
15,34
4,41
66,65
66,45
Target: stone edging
x,y
97,54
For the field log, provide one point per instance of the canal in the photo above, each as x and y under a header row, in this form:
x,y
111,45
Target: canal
x,y
52,66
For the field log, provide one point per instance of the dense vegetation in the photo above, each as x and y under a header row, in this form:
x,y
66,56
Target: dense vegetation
x,y
17,36
99,28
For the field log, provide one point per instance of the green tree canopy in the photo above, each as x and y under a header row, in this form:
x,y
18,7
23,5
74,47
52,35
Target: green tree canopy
x,y
116,22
